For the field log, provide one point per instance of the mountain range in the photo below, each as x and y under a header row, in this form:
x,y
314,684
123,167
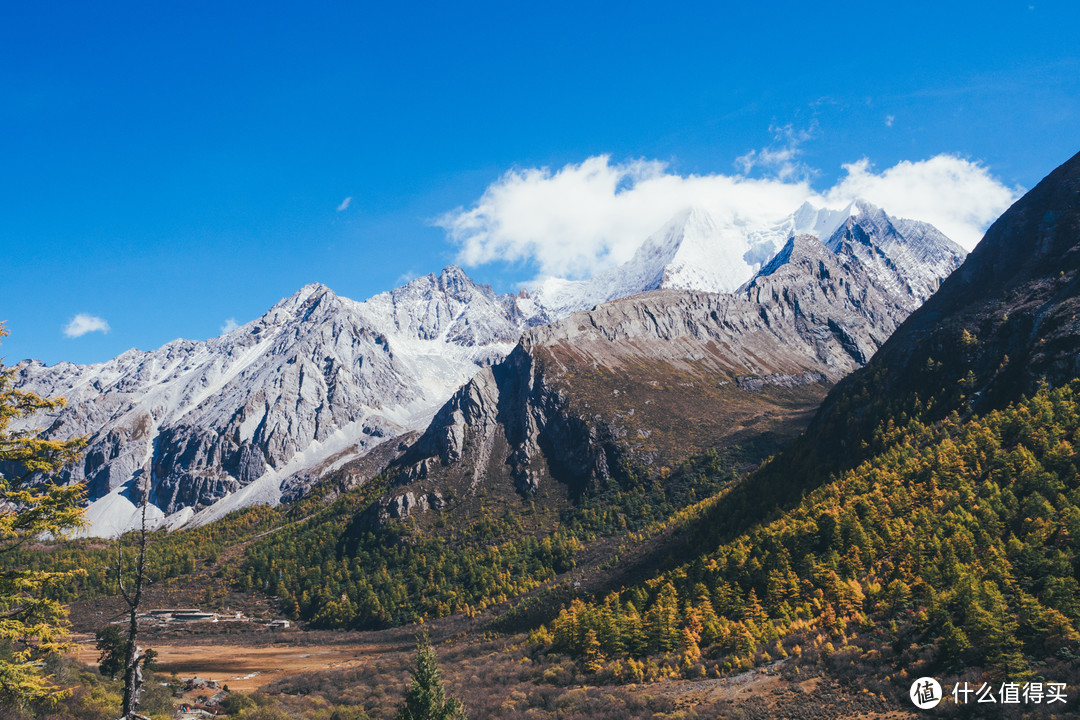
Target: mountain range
x,y
826,482
765,320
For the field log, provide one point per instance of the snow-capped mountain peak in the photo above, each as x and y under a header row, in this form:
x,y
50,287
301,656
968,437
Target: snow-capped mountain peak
x,y
701,250
694,250
713,254
819,221
917,250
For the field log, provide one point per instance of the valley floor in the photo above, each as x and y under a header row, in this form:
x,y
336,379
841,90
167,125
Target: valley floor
x,y
305,673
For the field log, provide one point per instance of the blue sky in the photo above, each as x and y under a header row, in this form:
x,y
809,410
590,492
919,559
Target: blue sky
x,y
167,169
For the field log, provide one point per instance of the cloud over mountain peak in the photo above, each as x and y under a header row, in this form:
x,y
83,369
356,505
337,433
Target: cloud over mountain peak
x,y
586,217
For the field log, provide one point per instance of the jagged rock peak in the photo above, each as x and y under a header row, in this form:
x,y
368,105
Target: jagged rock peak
x,y
452,282
307,292
300,304
453,278
457,284
796,246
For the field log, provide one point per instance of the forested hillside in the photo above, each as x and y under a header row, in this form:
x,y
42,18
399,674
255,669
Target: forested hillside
x,y
954,546
339,569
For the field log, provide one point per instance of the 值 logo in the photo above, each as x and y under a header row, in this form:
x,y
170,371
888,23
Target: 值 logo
x,y
925,693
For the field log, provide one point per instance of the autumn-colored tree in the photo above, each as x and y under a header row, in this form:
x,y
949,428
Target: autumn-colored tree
x,y
31,623
753,612
689,639
594,658
703,608
632,629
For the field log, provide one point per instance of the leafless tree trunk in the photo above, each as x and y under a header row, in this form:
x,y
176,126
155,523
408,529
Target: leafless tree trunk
x,y
133,659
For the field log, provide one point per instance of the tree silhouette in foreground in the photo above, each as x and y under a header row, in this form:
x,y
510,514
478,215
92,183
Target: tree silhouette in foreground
x,y
425,699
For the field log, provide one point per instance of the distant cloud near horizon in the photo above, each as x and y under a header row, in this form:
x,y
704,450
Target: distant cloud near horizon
x,y
345,204
229,326
585,217
84,323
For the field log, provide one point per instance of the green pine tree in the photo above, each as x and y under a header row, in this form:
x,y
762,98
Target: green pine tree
x,y
953,646
425,699
663,619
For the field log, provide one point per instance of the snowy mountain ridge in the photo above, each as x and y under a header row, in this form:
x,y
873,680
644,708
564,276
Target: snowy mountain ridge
x,y
699,250
321,380
648,380
317,379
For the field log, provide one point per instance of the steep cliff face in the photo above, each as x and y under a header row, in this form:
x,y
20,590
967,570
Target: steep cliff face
x,y
1016,295
637,384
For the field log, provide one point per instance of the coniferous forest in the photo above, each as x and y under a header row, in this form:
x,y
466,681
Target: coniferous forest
x,y
955,545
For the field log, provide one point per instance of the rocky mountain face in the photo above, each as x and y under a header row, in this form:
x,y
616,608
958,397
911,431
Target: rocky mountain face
x,y
637,384
999,326
318,380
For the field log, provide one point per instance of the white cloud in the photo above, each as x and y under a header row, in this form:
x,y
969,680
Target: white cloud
x,y
84,323
889,120
959,197
345,204
229,326
585,217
